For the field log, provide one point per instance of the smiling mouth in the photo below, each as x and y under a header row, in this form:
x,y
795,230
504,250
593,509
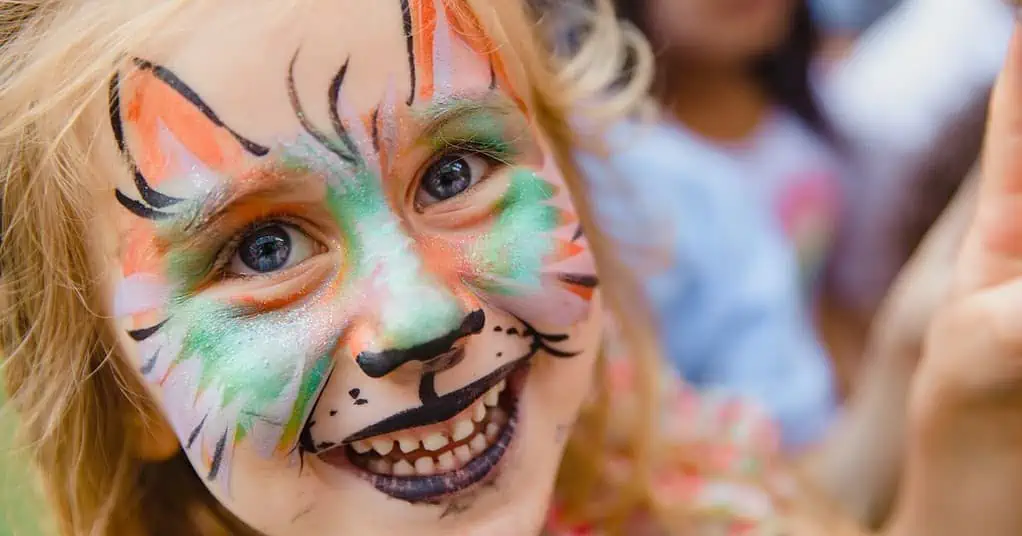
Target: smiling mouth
x,y
440,457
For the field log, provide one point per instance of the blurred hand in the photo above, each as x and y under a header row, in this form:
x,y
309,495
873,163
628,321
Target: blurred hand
x,y
925,282
861,464
964,473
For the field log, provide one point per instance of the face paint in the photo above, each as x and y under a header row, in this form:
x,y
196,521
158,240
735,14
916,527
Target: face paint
x,y
467,288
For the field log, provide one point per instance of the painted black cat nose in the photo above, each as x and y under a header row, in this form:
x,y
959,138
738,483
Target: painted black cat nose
x,y
379,364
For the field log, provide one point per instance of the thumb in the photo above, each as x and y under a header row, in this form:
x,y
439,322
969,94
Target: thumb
x,y
992,251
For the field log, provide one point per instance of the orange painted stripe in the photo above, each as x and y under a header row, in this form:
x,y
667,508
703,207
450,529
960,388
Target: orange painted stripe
x,y
470,30
565,250
139,249
424,26
166,375
147,319
260,304
151,103
585,293
381,151
566,217
358,339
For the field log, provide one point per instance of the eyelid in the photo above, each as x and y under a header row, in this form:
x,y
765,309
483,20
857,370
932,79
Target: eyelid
x,y
227,250
491,161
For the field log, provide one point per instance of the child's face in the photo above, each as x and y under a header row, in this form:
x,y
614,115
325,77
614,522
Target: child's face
x,y
347,266
719,30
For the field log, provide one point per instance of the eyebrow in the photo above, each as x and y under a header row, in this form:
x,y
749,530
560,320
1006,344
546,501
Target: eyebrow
x,y
263,181
449,109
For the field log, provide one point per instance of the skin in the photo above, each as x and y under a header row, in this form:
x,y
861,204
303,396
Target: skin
x,y
965,422
390,308
704,48
718,31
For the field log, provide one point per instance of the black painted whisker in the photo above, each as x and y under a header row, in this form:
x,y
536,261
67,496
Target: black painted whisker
x,y
406,20
139,335
150,364
139,209
218,456
296,106
195,432
334,95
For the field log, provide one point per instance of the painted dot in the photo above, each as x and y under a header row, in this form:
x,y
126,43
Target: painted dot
x,y
361,402
512,331
498,329
354,393
333,412
500,354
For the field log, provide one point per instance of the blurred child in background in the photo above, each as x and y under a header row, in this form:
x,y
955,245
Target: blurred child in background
x,y
772,168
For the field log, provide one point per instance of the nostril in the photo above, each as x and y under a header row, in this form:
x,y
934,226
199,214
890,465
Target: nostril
x,y
379,364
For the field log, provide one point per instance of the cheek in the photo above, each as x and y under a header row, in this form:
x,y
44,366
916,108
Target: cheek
x,y
530,259
562,385
223,378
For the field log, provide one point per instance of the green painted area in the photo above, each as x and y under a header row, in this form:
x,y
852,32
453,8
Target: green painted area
x,y
241,359
474,128
417,309
520,241
311,382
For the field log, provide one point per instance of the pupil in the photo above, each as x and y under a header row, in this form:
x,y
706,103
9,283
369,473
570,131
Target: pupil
x,y
448,178
267,249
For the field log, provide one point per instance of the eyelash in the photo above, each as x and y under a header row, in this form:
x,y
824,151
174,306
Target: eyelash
x,y
227,251
496,152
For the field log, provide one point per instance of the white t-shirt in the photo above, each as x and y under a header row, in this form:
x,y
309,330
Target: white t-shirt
x,y
798,176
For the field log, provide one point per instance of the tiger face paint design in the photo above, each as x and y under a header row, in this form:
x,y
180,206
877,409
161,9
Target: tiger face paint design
x,y
348,277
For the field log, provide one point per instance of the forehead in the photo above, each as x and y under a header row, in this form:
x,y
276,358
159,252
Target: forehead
x,y
242,57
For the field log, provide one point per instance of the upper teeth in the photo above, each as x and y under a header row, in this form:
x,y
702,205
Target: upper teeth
x,y
436,441
383,446
463,428
408,444
493,396
467,425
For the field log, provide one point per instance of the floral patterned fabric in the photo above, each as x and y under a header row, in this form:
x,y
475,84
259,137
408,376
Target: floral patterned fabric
x,y
735,443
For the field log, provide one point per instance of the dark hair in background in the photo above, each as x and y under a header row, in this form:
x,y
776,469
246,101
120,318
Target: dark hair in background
x,y
784,73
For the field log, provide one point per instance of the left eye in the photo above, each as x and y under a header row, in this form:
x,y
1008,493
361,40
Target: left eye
x,y
450,176
270,248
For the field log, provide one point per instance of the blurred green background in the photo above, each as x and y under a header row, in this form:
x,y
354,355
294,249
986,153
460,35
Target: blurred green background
x,y
19,500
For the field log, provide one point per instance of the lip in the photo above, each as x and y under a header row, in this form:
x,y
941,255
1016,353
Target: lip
x,y
441,409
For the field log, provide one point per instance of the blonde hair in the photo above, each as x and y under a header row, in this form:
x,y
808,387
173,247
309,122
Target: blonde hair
x,y
82,412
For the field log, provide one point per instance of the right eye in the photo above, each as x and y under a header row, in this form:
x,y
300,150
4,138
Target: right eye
x,y
269,248
450,176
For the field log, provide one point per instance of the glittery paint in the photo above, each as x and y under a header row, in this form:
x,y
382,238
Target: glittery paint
x,y
415,305
519,242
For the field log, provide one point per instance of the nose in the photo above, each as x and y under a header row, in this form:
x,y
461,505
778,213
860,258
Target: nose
x,y
379,364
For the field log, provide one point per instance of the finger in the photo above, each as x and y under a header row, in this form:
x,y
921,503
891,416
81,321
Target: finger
x,y
992,252
927,278
943,241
